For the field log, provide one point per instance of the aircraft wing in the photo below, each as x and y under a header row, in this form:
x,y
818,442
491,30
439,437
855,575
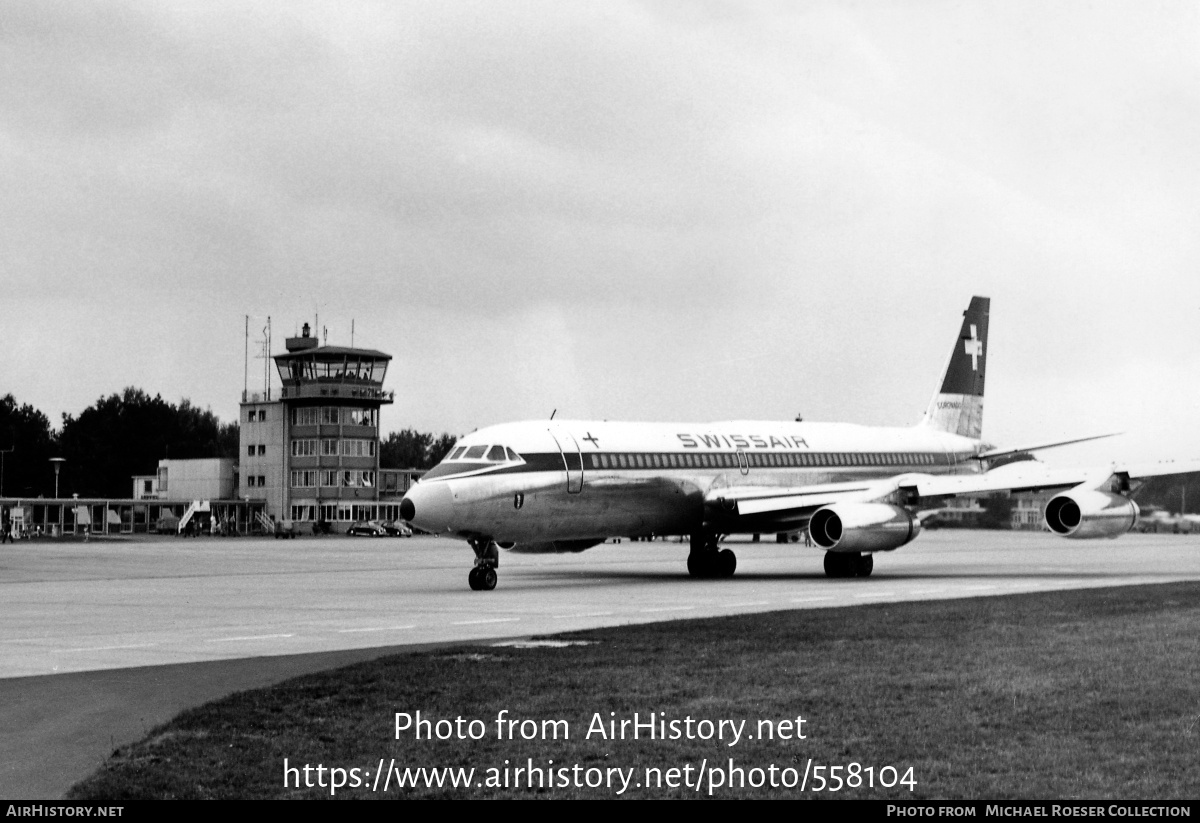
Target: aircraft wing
x,y
1031,475
746,500
776,508
772,508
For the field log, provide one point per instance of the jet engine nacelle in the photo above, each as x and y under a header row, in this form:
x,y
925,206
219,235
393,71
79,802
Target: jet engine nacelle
x,y
1087,513
862,527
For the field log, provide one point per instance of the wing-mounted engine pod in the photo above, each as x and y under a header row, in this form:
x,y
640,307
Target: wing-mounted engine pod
x,y
862,527
1086,513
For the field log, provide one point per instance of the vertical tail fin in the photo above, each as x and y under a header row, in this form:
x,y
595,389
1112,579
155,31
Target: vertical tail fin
x,y
957,407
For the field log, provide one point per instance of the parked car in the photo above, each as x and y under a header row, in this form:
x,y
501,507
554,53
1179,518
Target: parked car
x,y
367,528
396,528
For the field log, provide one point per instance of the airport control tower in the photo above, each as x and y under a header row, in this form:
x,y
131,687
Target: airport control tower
x,y
312,453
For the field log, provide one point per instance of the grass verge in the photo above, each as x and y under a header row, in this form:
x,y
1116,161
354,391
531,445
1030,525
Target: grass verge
x,y
1077,694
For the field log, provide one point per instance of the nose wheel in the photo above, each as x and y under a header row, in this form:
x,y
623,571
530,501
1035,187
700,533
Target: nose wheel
x,y
482,578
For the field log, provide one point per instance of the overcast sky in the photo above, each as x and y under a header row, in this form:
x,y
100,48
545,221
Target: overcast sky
x,y
660,210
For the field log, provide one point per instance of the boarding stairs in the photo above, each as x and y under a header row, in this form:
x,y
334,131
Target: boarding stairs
x,y
196,506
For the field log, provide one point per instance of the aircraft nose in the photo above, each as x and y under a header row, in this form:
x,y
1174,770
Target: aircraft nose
x,y
428,506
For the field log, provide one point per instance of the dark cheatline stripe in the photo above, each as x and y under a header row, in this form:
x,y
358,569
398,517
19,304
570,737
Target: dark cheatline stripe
x,y
657,461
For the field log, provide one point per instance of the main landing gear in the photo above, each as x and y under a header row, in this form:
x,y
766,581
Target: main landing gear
x,y
487,557
707,560
848,564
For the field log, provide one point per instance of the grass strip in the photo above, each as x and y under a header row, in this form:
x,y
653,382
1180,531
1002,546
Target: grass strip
x,y
1076,694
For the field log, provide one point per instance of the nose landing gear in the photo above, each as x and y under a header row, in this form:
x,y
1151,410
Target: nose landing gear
x,y
482,578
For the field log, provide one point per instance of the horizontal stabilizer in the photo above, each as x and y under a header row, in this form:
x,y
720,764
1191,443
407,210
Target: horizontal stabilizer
x,y
994,453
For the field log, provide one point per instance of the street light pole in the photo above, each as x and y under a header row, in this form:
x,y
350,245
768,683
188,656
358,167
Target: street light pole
x,y
2,453
57,461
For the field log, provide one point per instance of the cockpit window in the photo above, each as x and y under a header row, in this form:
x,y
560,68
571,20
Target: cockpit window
x,y
457,453
496,454
512,455
475,452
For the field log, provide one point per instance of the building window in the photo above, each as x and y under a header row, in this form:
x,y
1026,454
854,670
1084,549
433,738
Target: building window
x,y
250,480
357,479
304,448
309,416
250,451
262,480
359,417
358,448
304,479
262,449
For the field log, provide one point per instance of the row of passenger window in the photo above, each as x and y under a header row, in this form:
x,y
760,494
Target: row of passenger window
x,y
494,454
764,460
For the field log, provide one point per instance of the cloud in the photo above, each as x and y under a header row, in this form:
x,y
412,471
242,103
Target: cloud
x,y
768,207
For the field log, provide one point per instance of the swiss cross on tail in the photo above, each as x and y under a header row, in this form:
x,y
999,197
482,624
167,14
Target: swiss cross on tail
x,y
957,407
974,347
968,361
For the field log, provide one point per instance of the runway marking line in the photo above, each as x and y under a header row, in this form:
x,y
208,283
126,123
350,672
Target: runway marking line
x,y
103,648
248,637
667,609
812,599
584,614
378,629
875,594
480,622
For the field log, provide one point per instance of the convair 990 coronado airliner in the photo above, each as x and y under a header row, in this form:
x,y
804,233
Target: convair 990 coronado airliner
x,y
569,485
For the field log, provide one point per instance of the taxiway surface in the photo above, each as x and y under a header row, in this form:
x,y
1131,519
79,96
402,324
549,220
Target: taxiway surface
x,y
100,642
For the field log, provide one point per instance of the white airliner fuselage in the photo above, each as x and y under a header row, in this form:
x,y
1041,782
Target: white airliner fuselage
x,y
588,480
567,485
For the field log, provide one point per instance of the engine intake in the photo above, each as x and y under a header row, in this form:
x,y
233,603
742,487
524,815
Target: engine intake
x,y
1087,513
862,527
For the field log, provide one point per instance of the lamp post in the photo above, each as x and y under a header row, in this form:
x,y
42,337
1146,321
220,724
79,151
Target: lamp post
x,y
57,461
2,453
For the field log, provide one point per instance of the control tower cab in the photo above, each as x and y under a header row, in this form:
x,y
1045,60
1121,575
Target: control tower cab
x,y
314,375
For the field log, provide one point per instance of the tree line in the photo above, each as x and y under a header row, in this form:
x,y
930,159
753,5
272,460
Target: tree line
x,y
126,434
